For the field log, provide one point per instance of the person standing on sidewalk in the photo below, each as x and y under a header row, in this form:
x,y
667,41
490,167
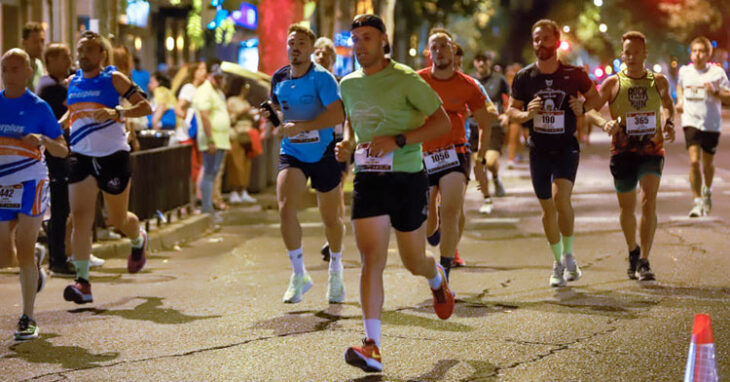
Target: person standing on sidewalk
x,y
636,96
391,110
549,90
27,125
309,99
701,89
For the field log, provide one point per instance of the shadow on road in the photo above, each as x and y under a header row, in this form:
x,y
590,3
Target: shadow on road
x,y
69,357
150,310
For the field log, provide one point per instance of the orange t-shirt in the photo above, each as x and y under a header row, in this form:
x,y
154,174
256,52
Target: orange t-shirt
x,y
457,94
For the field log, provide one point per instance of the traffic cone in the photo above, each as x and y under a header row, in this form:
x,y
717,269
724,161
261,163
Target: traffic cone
x,y
701,366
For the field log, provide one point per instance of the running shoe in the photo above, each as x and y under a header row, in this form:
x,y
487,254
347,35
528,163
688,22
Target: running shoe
x,y
511,165
40,253
644,271
137,259
572,270
335,288
246,198
78,292
698,209
633,263
487,207
443,297
435,238
298,286
498,188
27,329
458,261
325,251
556,278
367,357
234,198
706,200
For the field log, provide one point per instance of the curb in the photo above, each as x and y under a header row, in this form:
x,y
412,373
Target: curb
x,y
168,236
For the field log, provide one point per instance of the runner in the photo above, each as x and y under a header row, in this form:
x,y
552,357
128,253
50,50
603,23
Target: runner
x,y
27,124
309,98
447,158
99,158
386,102
701,88
549,90
636,96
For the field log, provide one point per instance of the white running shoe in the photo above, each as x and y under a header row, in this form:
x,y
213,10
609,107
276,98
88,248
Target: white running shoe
x,y
246,198
698,209
335,288
298,286
572,270
487,207
706,200
556,278
234,198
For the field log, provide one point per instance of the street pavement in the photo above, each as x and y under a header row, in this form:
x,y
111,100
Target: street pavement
x,y
212,310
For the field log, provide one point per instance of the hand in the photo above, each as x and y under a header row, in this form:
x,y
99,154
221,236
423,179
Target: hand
x,y
533,107
291,129
105,114
504,121
343,151
211,147
680,107
669,133
577,105
382,145
611,127
34,140
710,88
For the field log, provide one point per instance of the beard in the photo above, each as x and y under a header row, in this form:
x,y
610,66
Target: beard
x,y
87,65
544,53
443,65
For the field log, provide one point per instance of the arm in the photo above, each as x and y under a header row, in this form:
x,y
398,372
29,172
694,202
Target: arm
x,y
334,114
436,125
680,99
157,117
343,150
606,93
140,106
207,129
483,119
57,147
517,115
181,107
64,121
662,85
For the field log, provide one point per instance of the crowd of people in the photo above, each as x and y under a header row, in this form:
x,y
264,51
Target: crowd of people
x,y
412,138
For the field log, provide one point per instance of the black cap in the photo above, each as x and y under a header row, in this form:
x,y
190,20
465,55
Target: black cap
x,y
369,20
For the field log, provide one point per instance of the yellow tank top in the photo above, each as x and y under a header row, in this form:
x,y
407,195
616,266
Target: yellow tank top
x,y
638,106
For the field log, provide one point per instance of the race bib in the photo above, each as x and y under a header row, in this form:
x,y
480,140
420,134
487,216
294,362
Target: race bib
x,y
549,122
640,123
440,160
11,197
695,93
305,137
367,163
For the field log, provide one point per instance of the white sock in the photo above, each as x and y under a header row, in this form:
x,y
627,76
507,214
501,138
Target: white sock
x,y
372,330
336,261
435,282
297,261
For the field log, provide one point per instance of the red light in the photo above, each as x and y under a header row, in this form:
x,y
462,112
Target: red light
x,y
598,72
564,45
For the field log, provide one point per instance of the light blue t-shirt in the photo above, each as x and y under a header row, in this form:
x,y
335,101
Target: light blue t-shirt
x,y
303,99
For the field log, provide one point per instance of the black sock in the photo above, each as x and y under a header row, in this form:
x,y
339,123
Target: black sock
x,y
635,253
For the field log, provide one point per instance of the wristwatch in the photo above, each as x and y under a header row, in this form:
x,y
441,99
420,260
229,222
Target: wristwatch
x,y
400,140
120,111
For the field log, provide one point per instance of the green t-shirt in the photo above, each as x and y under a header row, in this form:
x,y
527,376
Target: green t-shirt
x,y
208,98
390,102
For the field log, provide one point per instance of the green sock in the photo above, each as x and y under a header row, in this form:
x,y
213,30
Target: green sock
x,y
557,249
568,244
82,269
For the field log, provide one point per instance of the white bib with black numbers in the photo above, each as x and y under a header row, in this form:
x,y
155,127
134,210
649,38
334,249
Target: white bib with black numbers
x,y
695,93
11,197
366,162
640,123
549,122
305,137
441,160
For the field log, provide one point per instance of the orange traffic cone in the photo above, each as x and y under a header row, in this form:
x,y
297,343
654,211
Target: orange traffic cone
x,y
701,366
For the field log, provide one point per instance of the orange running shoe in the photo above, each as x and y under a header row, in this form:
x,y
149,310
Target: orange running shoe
x,y
458,261
366,357
443,298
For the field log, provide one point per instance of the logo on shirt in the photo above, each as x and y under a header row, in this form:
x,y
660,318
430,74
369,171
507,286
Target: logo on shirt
x,y
638,97
87,93
549,83
7,129
552,99
367,116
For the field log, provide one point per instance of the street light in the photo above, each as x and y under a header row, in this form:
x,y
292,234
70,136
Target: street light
x,y
603,28
598,3
566,29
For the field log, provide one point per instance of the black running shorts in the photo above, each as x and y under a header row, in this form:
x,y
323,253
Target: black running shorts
x,y
112,172
707,140
400,195
546,166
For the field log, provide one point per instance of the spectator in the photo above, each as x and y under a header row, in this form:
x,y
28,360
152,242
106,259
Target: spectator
x,y
240,157
163,104
140,76
214,127
34,37
188,130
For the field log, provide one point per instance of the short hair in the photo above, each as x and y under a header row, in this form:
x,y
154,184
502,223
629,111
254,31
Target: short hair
x,y
16,52
326,44
704,41
31,27
439,30
297,28
162,79
547,23
634,36
122,59
53,50
459,50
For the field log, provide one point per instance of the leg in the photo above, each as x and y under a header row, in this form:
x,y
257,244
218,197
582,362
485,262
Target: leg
x,y
453,187
211,166
26,235
119,216
493,162
8,254
413,254
59,214
627,206
432,222
290,184
562,190
329,208
82,198
372,236
649,188
515,130
708,168
550,220
695,176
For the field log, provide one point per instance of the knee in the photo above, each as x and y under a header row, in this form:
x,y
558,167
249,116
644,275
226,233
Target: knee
x,y
332,221
694,164
648,205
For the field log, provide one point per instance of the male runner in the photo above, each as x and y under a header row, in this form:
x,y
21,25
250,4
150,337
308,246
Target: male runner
x,y
447,158
27,124
99,158
387,105
308,96
701,89
549,90
636,96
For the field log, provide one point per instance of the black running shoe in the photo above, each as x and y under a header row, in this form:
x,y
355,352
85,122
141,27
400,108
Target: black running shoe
x,y
325,251
644,271
633,263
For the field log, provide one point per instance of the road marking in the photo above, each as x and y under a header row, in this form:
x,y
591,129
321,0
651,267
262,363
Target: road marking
x,y
304,225
495,220
596,219
685,218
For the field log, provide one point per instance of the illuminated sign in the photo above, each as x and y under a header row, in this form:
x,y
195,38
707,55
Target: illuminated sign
x,y
246,17
138,12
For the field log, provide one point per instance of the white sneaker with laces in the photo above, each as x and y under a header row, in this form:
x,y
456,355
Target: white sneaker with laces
x,y
246,198
556,278
298,286
572,270
487,207
234,198
698,209
335,288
